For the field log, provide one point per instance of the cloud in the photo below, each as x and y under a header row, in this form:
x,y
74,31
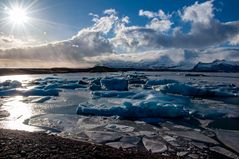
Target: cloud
x,y
199,13
205,31
8,42
149,14
111,40
159,25
174,58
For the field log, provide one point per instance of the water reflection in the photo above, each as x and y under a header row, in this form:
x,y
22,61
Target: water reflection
x,y
19,112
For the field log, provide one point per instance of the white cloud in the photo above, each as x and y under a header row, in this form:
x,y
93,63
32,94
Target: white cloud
x,y
112,40
149,14
159,25
110,11
199,13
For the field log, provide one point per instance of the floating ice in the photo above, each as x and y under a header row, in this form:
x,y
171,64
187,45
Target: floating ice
x,y
95,87
103,136
30,92
137,79
72,86
146,108
118,84
8,84
189,90
118,94
120,128
154,145
160,82
229,138
41,100
40,92
194,136
224,152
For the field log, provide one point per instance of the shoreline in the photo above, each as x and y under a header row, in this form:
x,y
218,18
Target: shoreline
x,y
23,144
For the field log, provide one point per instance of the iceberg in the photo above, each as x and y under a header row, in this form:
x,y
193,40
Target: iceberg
x,y
143,109
30,92
8,84
94,87
137,79
118,84
189,90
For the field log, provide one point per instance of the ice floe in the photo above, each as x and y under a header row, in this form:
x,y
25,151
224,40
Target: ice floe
x,y
224,152
229,137
194,135
118,84
103,136
154,145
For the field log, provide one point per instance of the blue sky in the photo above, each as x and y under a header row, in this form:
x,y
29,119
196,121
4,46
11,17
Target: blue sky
x,y
69,16
79,30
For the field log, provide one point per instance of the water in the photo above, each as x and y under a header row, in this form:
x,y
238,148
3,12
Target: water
x,y
58,113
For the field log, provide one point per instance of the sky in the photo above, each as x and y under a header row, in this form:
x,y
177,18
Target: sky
x,y
117,33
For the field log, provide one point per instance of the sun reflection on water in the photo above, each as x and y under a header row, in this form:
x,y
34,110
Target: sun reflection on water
x,y
19,112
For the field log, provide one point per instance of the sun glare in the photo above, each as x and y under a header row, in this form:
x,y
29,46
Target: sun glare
x,y
18,15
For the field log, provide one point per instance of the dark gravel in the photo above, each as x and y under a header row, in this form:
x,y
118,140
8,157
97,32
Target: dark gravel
x,y
22,144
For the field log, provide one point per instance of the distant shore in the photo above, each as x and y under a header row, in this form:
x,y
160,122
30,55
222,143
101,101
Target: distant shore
x,y
22,144
20,71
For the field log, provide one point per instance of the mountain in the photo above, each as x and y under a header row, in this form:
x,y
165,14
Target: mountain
x,y
217,66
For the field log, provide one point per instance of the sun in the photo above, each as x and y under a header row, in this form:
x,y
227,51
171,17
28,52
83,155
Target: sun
x,y
18,15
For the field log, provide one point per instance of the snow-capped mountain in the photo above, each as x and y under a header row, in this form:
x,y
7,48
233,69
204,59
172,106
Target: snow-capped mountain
x,y
217,66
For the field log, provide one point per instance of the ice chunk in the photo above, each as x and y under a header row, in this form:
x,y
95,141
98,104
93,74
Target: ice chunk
x,y
30,92
41,100
8,84
95,87
72,86
131,139
118,84
230,138
189,90
147,108
160,82
224,152
51,86
154,145
96,81
82,82
116,94
102,136
194,135
40,92
120,128
123,145
137,79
